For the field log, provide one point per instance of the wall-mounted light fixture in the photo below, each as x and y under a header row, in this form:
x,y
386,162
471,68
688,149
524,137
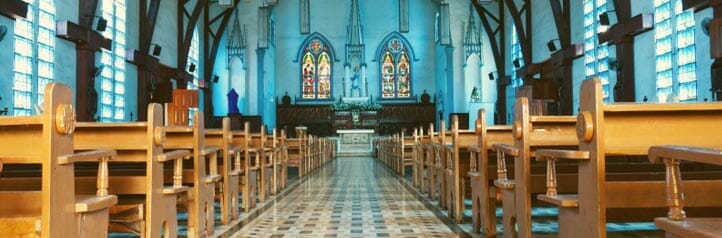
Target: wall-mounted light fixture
x,y
101,24
517,63
192,68
492,75
552,46
215,78
604,18
156,49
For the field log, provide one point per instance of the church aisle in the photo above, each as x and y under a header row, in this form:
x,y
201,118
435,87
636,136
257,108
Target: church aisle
x,y
351,197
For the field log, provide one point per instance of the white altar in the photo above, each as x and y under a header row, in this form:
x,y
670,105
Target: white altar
x,y
355,143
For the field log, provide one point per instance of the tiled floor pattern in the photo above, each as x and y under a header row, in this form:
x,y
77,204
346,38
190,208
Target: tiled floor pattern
x,y
352,197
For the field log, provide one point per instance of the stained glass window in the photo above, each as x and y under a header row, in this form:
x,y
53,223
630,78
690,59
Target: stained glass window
x,y
596,56
395,69
34,55
675,52
112,80
316,68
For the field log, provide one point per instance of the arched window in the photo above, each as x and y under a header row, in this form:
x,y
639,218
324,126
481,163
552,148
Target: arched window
x,y
395,66
316,68
34,55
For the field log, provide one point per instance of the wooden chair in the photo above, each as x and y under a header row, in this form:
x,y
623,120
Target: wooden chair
x,y
624,129
230,168
482,171
676,223
457,168
530,132
47,206
248,177
200,173
145,206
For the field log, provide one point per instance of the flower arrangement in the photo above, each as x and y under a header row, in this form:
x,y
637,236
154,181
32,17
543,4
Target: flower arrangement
x,y
361,106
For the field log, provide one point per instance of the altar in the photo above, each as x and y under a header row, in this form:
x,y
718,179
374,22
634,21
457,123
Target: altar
x,y
355,143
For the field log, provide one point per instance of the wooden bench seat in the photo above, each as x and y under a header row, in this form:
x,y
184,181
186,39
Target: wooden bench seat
x,y
439,165
457,168
248,185
482,173
628,129
147,207
49,206
200,173
230,168
530,133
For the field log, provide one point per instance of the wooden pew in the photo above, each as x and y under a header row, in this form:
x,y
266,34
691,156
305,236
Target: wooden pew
x,y
282,162
264,161
440,166
457,168
676,223
530,132
249,166
624,129
482,171
230,168
405,151
145,206
419,159
48,206
429,163
200,173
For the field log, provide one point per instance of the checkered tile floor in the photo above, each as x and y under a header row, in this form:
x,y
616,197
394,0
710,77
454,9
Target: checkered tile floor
x,y
353,197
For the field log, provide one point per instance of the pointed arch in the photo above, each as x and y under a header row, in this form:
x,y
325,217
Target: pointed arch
x,y
395,57
316,57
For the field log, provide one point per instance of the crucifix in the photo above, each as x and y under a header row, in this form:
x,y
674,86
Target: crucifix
x,y
715,40
87,42
154,80
622,35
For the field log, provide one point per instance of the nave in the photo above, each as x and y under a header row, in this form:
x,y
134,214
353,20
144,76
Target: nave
x,y
349,197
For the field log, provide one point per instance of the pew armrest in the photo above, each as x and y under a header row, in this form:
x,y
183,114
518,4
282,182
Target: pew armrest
x,y
209,150
506,149
506,184
213,178
561,200
474,149
102,157
693,227
87,156
234,150
177,157
84,204
671,156
551,157
174,155
542,155
695,154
